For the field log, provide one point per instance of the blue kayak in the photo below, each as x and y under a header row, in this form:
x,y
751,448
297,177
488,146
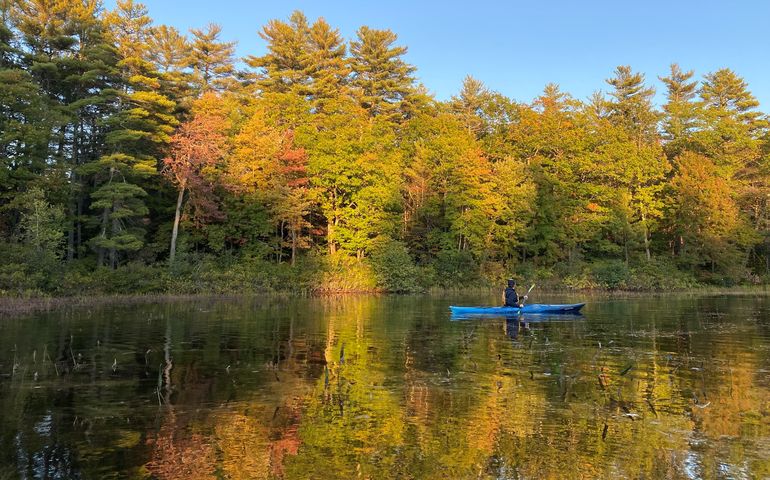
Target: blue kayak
x,y
532,308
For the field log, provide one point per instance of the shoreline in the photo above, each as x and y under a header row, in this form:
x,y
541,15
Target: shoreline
x,y
13,306
10,306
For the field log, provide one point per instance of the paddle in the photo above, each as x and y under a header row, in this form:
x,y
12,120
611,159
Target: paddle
x,y
524,299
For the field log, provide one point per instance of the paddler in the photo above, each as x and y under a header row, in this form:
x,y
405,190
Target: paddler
x,y
511,297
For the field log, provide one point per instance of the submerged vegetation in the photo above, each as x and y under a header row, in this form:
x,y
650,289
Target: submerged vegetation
x,y
138,159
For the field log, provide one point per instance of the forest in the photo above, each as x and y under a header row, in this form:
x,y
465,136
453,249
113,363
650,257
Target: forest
x,y
138,158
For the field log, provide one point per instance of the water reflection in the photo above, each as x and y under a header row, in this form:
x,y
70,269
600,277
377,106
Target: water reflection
x,y
387,388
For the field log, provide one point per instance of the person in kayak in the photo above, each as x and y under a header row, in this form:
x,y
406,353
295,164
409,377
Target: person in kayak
x,y
511,297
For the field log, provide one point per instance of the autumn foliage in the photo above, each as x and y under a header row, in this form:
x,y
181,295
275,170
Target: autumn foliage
x,y
324,150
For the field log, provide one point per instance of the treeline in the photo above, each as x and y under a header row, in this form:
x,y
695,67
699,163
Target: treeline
x,y
136,157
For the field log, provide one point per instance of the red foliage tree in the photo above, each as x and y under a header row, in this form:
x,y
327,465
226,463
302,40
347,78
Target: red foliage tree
x,y
196,148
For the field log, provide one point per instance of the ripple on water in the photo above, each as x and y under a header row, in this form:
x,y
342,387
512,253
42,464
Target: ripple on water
x,y
388,388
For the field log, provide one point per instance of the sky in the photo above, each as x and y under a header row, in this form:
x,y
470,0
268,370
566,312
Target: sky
x,y
518,47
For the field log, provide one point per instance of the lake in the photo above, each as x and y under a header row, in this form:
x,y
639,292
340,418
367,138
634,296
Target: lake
x,y
388,387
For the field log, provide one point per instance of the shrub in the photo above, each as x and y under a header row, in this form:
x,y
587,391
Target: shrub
x,y
606,274
394,269
22,272
659,275
579,281
133,278
342,273
610,274
456,269
495,273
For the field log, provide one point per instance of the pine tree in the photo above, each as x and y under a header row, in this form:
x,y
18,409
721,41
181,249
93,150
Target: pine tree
x,y
211,59
470,103
732,126
168,51
724,90
326,65
74,65
638,166
382,80
138,133
284,68
679,88
682,113
732,138
24,123
632,105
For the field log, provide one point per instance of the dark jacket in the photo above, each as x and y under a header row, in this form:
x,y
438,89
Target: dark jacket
x,y
511,297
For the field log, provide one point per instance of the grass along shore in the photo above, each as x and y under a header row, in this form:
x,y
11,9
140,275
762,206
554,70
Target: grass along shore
x,y
15,306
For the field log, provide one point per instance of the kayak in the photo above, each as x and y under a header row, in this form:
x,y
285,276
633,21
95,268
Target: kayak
x,y
532,308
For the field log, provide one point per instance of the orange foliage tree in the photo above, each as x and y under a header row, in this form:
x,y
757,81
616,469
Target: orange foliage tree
x,y
196,148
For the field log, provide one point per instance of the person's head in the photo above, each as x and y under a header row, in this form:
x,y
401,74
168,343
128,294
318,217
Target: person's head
x,y
512,283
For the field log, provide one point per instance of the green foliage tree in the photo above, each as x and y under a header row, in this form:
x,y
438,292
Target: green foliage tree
x,y
326,65
283,67
168,52
138,131
638,165
328,144
450,183
211,59
708,226
42,224
352,171
24,124
469,105
74,65
382,80
683,115
552,137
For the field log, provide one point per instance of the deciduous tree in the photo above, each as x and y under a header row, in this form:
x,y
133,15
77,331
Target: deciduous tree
x,y
196,148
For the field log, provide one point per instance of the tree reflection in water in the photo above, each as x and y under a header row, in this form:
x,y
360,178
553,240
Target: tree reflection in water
x,y
387,388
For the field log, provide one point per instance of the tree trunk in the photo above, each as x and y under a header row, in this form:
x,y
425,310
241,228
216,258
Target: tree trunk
x,y
100,255
73,220
175,230
79,224
71,235
330,237
113,251
293,246
331,223
646,239
625,246
74,195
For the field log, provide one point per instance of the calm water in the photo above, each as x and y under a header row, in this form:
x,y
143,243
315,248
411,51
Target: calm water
x,y
365,387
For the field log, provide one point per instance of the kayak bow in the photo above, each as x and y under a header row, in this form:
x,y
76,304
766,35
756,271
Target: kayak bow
x,y
533,308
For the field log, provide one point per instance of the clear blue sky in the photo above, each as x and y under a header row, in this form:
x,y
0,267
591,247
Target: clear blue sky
x,y
517,47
